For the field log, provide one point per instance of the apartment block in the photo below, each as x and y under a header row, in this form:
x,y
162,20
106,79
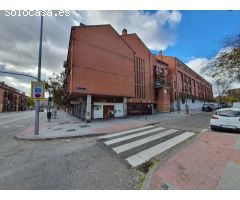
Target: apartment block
x,y
11,99
189,90
112,75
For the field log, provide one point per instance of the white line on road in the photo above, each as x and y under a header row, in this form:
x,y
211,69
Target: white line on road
x,y
125,132
147,154
140,142
16,119
133,136
18,126
7,115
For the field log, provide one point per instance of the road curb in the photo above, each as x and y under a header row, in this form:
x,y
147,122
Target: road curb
x,y
16,137
58,138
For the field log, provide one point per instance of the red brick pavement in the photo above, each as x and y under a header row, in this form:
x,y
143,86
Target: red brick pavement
x,y
200,165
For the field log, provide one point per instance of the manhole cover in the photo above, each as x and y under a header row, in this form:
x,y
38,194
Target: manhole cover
x,y
71,130
84,126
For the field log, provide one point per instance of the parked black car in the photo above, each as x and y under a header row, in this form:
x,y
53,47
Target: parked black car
x,y
208,107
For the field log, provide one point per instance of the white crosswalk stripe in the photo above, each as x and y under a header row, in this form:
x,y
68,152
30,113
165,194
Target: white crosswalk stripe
x,y
125,132
139,145
132,136
134,144
144,156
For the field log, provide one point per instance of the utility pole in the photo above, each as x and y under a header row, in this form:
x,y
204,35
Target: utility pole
x,y
36,129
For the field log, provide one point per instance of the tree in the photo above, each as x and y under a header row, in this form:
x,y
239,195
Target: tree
x,y
222,85
230,99
227,62
30,102
54,86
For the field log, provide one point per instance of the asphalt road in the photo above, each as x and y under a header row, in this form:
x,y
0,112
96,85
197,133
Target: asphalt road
x,y
59,164
195,123
68,164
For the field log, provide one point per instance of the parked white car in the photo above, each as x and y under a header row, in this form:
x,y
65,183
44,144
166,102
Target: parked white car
x,y
226,119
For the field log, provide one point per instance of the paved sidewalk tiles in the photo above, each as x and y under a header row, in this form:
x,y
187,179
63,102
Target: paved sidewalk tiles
x,y
207,163
67,126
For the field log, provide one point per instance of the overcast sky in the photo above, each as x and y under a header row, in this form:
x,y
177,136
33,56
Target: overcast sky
x,y
19,41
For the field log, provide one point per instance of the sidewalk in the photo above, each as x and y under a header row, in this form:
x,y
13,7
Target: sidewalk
x,y
67,126
212,161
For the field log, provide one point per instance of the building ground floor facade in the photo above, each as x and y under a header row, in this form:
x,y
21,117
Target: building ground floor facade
x,y
105,107
89,107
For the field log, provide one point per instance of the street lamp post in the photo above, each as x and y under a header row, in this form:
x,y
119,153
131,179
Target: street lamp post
x,y
36,129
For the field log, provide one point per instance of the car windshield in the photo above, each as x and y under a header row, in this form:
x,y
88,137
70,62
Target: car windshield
x,y
206,105
228,113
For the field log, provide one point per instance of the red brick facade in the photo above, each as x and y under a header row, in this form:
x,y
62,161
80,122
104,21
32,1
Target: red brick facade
x,y
108,74
11,99
186,83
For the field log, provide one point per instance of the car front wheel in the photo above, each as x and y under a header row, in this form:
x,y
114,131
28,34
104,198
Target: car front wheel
x,y
213,128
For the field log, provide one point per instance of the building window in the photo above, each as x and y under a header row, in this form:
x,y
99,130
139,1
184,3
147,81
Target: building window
x,y
139,70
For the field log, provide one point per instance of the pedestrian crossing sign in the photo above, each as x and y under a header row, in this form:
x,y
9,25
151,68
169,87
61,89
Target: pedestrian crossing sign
x,y
37,90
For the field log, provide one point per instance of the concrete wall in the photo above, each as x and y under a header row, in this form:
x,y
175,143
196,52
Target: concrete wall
x,y
193,107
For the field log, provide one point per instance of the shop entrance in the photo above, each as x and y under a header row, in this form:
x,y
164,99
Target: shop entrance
x,y
108,111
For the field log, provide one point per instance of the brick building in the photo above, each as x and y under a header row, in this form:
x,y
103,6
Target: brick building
x,y
189,89
11,99
234,92
112,75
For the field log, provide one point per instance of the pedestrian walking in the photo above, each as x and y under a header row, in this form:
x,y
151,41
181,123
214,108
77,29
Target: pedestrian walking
x,y
49,115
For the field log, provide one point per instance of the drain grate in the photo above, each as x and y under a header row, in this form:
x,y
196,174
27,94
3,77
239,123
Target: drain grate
x,y
71,130
164,186
84,126
56,129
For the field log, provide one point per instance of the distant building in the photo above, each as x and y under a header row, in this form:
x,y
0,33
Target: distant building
x,y
11,99
188,89
234,92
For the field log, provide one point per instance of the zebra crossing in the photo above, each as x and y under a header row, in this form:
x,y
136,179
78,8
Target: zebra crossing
x,y
139,145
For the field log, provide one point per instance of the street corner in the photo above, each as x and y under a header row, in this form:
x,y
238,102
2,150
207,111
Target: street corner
x,y
204,164
56,132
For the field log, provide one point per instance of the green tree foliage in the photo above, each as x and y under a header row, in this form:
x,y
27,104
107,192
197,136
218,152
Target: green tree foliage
x,y
30,102
227,62
230,99
54,86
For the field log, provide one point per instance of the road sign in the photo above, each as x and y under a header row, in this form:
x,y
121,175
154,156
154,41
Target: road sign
x,y
38,90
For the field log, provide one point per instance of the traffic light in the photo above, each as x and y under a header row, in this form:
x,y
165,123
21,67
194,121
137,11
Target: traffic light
x,y
49,100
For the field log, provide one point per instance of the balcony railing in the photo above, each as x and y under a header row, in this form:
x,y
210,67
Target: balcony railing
x,y
162,83
65,64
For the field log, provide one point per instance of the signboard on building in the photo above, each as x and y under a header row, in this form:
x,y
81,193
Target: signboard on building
x,y
37,90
